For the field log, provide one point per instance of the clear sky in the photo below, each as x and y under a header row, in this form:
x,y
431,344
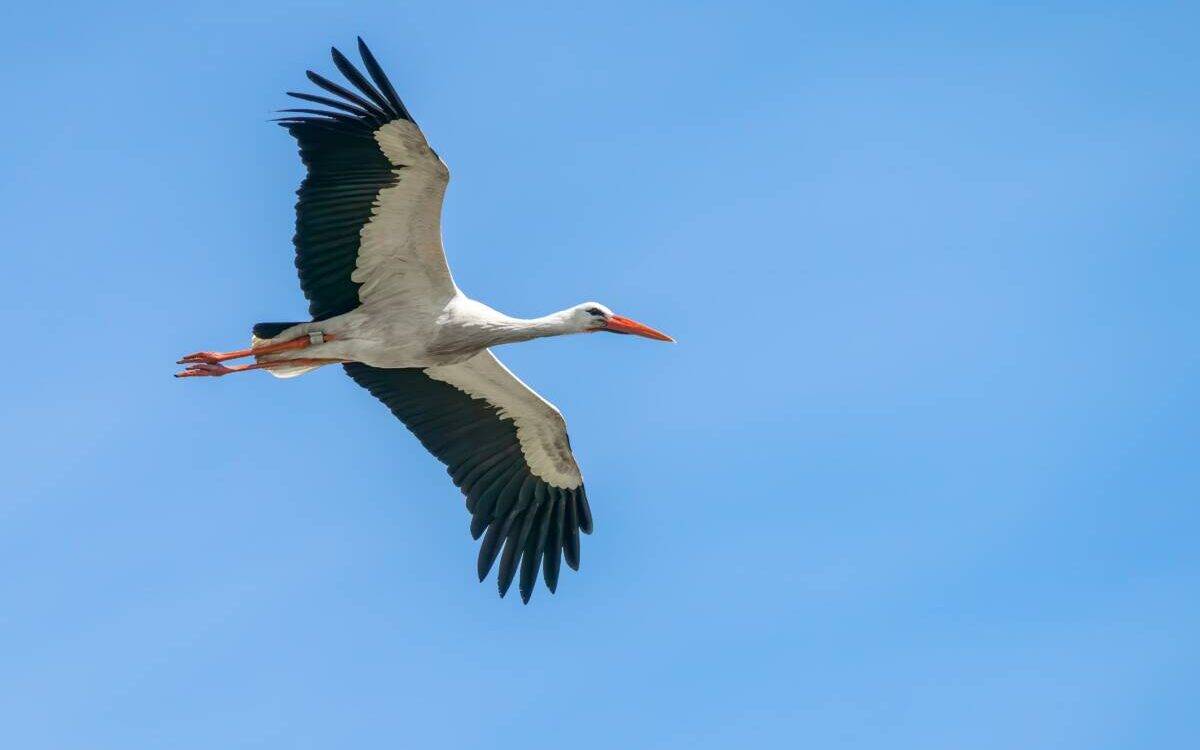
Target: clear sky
x,y
921,472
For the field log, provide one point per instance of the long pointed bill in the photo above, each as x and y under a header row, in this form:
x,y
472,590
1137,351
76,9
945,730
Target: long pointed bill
x,y
621,324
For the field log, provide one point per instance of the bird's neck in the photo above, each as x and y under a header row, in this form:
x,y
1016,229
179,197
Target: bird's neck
x,y
508,330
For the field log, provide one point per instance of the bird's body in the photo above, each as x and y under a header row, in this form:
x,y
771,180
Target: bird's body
x,y
384,304
418,337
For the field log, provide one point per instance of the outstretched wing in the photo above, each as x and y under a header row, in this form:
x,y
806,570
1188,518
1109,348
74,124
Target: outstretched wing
x,y
506,448
368,218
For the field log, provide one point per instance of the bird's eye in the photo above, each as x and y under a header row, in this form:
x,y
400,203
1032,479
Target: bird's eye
x,y
595,311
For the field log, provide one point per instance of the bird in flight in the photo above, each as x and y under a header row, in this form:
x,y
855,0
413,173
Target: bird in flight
x,y
384,305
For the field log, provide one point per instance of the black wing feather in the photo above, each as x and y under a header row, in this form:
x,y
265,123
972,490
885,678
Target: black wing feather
x,y
335,103
513,547
571,534
553,550
378,114
381,80
361,83
532,558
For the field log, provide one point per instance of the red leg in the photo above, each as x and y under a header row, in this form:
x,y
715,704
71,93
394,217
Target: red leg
x,y
216,369
213,358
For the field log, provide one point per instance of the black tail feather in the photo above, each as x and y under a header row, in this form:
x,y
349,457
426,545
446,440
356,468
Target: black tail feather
x,y
271,330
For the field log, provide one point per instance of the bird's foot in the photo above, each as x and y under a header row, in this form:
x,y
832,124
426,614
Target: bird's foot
x,y
211,358
206,370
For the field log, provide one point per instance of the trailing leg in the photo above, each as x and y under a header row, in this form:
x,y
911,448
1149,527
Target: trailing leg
x,y
303,342
216,369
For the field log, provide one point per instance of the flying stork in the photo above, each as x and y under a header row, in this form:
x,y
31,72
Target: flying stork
x,y
384,305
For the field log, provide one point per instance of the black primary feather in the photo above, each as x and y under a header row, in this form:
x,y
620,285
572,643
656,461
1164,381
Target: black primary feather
x,y
584,511
553,552
335,103
512,550
490,547
571,535
381,80
532,559
349,95
360,82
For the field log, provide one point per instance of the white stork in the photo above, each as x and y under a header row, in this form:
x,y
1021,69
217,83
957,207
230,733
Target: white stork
x,y
383,303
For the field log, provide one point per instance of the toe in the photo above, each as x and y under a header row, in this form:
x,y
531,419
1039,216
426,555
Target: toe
x,y
203,369
199,357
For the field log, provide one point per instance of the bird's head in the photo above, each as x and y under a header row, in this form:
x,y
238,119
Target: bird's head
x,y
590,317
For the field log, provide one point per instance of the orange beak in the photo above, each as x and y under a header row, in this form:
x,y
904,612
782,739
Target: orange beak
x,y
621,324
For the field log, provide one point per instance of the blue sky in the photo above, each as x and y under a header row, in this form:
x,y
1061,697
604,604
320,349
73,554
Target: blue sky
x,y
921,472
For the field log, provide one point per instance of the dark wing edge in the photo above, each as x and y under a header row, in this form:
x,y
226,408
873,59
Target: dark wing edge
x,y
525,521
346,172
363,112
